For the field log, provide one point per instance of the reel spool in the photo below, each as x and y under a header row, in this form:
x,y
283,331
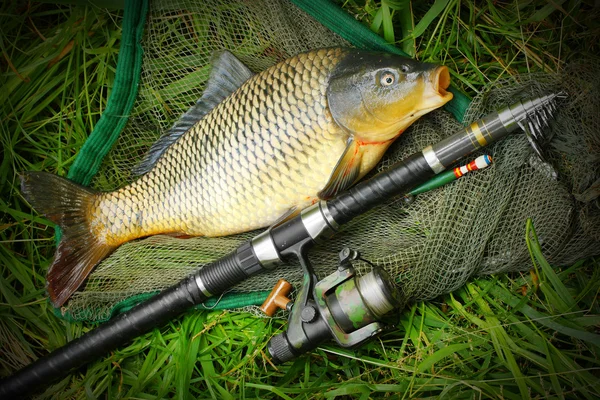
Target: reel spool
x,y
342,306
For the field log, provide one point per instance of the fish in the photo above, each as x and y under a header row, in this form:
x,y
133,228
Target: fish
x,y
253,151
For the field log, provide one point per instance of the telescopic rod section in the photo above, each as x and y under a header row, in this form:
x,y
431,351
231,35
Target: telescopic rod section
x,y
531,115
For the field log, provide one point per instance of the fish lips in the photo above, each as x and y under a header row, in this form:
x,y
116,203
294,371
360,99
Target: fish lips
x,y
440,80
437,95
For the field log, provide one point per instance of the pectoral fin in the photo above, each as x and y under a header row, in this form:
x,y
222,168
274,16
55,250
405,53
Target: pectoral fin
x,y
345,173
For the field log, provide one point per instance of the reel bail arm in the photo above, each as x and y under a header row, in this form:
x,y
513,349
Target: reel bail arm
x,y
342,307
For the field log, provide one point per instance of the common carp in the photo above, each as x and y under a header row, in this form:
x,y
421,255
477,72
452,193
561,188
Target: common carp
x,y
254,150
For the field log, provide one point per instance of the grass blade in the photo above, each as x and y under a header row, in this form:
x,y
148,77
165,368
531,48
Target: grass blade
x,y
428,18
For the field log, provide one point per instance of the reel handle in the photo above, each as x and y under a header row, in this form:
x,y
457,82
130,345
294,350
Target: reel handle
x,y
278,298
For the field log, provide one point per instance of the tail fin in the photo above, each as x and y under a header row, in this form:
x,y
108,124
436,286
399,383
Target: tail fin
x,y
67,204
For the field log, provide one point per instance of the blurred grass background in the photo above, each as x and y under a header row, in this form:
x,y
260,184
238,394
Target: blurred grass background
x,y
508,336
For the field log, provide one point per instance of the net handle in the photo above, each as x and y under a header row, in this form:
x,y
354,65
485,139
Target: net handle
x,y
121,99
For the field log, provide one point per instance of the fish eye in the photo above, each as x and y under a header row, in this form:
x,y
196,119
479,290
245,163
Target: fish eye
x,y
387,78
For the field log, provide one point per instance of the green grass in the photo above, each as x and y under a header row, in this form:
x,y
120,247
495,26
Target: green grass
x,y
507,336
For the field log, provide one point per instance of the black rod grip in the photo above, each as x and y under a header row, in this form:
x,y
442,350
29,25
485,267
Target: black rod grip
x,y
398,179
479,134
216,277
96,343
229,270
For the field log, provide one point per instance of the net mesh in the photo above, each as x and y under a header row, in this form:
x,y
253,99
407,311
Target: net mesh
x,y
474,226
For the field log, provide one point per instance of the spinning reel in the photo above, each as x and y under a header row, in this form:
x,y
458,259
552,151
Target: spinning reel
x,y
342,306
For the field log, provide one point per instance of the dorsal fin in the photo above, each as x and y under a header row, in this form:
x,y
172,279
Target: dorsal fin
x,y
227,75
346,171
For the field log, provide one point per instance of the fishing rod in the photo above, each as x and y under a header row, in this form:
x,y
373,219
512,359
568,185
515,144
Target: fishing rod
x,y
314,317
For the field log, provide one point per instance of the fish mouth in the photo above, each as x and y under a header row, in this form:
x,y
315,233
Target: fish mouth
x,y
440,79
437,95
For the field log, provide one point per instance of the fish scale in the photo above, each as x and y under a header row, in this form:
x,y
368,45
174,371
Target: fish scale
x,y
225,180
254,150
